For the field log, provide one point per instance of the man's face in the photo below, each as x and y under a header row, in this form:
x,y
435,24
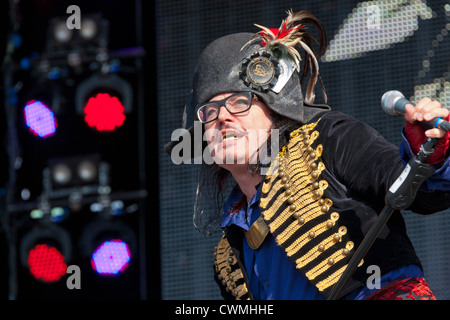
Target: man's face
x,y
236,138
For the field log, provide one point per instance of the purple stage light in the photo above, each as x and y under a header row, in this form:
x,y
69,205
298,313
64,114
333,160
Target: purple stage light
x,y
111,257
39,118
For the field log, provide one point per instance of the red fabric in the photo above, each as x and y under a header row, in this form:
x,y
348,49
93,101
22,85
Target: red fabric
x,y
406,289
415,133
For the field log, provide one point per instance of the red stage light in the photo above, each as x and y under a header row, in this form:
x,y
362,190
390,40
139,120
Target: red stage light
x,y
104,112
46,263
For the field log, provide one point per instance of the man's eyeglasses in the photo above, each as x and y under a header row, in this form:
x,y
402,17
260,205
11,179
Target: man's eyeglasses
x,y
236,103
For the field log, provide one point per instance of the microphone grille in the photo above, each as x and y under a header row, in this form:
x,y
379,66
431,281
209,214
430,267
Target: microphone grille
x,y
388,101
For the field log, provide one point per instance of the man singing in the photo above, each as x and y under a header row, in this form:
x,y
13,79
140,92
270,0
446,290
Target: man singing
x,y
292,224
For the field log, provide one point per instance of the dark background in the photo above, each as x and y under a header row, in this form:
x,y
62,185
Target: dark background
x,y
133,173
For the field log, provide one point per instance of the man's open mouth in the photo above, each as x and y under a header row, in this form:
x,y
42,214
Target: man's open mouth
x,y
232,134
229,135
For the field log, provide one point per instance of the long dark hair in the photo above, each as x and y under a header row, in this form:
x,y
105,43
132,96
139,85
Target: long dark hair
x,y
214,182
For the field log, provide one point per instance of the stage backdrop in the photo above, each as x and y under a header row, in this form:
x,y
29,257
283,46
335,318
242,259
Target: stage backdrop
x,y
374,46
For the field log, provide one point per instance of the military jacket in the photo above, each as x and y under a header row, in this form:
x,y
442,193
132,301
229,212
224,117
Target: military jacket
x,y
319,198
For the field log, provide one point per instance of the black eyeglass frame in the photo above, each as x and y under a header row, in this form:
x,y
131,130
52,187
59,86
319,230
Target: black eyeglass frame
x,y
222,103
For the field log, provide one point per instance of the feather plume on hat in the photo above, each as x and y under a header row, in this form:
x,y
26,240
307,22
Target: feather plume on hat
x,y
282,43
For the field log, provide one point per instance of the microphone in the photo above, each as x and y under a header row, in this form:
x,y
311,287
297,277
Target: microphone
x,y
394,102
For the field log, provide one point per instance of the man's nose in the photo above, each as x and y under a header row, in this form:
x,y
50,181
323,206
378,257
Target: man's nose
x,y
224,115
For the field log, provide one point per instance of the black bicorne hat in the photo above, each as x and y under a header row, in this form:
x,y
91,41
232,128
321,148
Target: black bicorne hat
x,y
266,63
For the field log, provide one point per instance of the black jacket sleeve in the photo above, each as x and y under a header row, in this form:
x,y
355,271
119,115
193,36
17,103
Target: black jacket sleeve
x,y
368,165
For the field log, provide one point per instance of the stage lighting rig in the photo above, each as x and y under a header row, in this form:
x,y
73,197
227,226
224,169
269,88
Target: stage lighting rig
x,y
41,104
39,118
104,99
45,251
110,245
78,196
79,174
90,40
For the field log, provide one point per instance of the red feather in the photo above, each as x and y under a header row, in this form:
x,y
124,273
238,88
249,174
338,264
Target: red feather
x,y
279,33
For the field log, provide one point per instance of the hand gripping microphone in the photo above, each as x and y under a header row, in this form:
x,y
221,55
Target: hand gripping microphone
x,y
394,102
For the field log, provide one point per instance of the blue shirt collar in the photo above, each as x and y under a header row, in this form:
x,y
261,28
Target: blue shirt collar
x,y
235,209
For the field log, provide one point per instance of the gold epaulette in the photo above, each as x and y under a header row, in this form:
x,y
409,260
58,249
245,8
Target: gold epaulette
x,y
228,270
302,221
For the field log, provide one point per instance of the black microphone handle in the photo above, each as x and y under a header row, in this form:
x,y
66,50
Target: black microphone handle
x,y
444,125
